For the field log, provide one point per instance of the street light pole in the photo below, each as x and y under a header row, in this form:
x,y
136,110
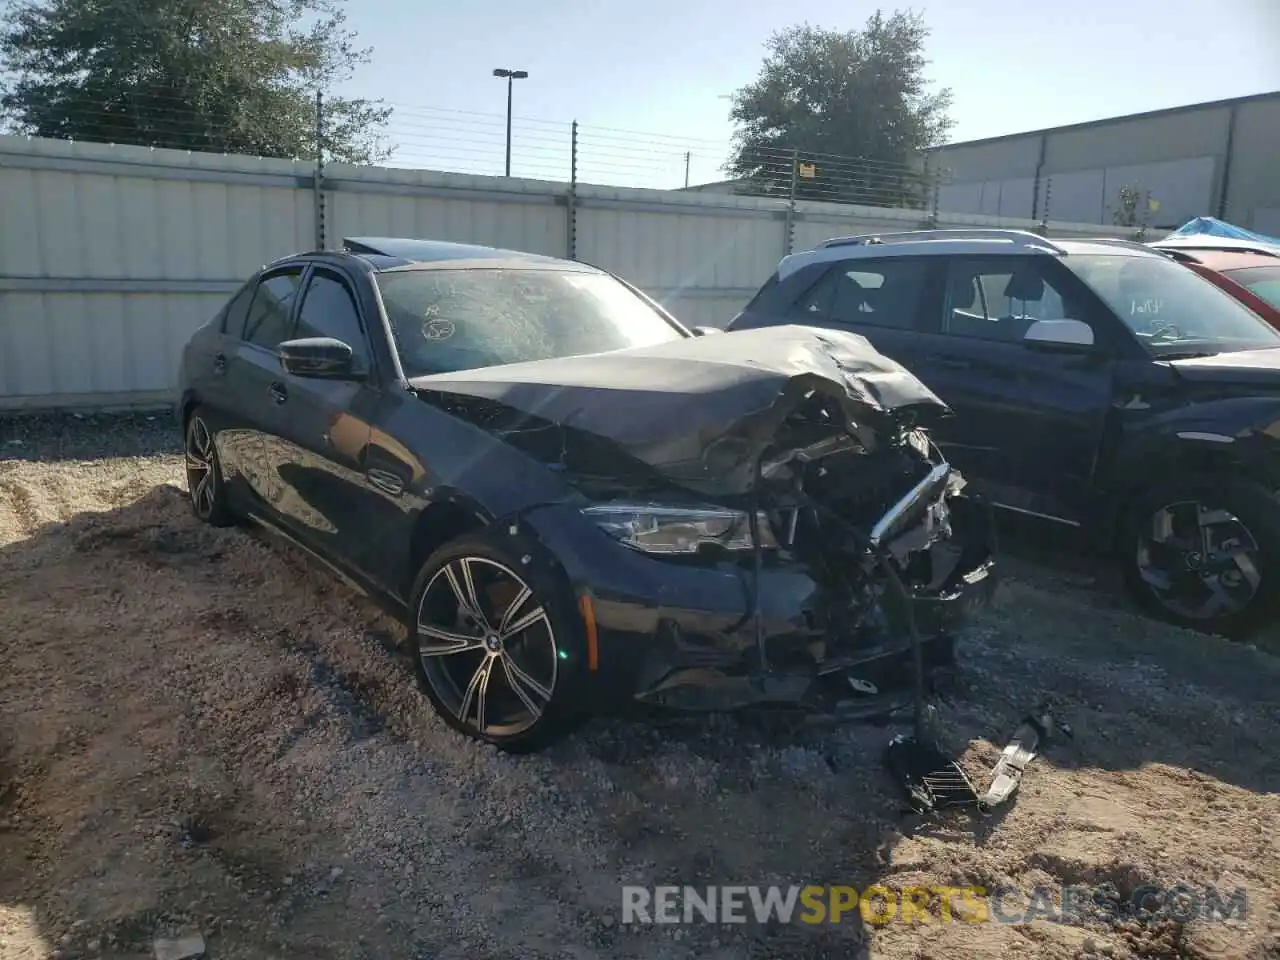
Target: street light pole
x,y
511,76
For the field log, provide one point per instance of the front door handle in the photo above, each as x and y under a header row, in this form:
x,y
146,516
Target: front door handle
x,y
278,393
953,364
219,363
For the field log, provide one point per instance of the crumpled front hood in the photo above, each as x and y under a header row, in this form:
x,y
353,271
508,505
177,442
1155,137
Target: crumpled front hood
x,y
701,411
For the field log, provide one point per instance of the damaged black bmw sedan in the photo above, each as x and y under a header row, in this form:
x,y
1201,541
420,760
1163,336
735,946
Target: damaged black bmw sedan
x,y
573,501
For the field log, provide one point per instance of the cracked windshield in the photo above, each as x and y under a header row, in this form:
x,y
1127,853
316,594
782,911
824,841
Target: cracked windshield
x,y
447,320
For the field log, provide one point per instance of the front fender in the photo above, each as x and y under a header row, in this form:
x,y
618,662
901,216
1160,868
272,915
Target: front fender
x,y
1243,428
1240,434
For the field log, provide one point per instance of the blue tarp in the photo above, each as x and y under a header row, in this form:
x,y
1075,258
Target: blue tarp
x,y
1213,227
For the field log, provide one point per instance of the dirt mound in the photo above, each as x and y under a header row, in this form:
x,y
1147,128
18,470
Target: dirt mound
x,y
199,729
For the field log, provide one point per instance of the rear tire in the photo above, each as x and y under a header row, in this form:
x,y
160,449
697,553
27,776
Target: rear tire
x,y
1204,552
205,488
498,647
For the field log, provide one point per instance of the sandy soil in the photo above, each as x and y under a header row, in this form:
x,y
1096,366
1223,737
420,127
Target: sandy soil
x,y
198,731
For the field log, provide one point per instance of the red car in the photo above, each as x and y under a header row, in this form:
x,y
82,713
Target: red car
x,y
1250,272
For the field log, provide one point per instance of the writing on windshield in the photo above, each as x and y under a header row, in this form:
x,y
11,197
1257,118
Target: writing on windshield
x,y
443,320
1172,310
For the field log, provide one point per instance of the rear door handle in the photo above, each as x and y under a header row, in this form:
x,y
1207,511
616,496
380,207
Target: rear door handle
x,y
219,363
279,393
953,364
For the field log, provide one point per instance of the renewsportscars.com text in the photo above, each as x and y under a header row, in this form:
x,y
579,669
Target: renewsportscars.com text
x,y
879,904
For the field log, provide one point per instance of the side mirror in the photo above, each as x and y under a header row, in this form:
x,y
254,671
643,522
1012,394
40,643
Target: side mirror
x,y
318,357
1060,334
703,331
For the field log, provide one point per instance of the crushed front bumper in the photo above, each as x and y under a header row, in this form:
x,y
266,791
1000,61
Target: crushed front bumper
x,y
681,634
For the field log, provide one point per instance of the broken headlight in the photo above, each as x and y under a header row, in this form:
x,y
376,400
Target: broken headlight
x,y
656,528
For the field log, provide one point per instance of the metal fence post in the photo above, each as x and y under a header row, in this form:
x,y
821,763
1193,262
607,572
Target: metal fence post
x,y
1042,227
933,188
317,181
789,240
571,199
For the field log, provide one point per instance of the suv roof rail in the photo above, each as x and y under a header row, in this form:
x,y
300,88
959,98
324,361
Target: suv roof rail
x,y
1021,238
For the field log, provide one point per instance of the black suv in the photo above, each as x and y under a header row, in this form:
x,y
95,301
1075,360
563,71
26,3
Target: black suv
x,y
1096,383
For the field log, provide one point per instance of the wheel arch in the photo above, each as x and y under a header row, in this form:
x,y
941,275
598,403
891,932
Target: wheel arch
x,y
1156,464
439,522
186,406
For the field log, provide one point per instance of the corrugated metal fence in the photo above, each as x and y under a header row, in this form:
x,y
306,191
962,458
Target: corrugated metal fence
x,y
111,256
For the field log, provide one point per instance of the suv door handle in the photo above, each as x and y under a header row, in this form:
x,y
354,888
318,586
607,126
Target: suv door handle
x,y
219,363
278,392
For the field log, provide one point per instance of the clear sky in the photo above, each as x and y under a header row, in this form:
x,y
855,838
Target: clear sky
x,y
646,79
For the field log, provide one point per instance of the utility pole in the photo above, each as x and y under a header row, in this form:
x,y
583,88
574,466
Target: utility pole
x,y
687,154
510,76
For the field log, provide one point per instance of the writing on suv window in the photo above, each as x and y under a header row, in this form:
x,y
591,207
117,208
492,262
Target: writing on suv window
x,y
1172,310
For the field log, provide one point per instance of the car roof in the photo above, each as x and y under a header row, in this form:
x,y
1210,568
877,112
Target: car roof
x,y
1223,259
1197,243
985,242
398,253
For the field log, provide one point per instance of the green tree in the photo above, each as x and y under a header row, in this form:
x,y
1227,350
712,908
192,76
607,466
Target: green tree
x,y
854,108
234,76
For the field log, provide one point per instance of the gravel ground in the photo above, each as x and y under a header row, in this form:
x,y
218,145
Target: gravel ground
x,y
199,731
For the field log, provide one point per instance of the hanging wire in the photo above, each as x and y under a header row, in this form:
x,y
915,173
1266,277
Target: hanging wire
x,y
422,136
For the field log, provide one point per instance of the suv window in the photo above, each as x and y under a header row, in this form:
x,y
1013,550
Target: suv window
x,y
328,310
876,293
999,298
267,324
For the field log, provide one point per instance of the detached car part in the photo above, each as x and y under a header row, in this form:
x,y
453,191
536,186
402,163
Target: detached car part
x,y
931,781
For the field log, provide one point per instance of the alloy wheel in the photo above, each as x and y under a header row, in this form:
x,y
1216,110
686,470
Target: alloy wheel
x,y
202,478
487,646
1199,561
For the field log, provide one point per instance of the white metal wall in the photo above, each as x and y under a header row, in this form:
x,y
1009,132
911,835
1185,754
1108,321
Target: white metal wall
x,y
1182,188
111,256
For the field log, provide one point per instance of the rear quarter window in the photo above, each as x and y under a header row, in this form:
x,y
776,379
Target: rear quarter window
x,y
237,308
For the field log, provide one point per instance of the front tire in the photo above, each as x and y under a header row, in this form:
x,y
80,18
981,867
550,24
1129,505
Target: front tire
x,y
1204,552
497,646
205,487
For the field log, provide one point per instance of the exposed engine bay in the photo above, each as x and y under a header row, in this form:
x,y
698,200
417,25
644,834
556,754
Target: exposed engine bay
x,y
846,510
882,524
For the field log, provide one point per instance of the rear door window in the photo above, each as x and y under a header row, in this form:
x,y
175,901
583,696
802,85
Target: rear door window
x,y
871,293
